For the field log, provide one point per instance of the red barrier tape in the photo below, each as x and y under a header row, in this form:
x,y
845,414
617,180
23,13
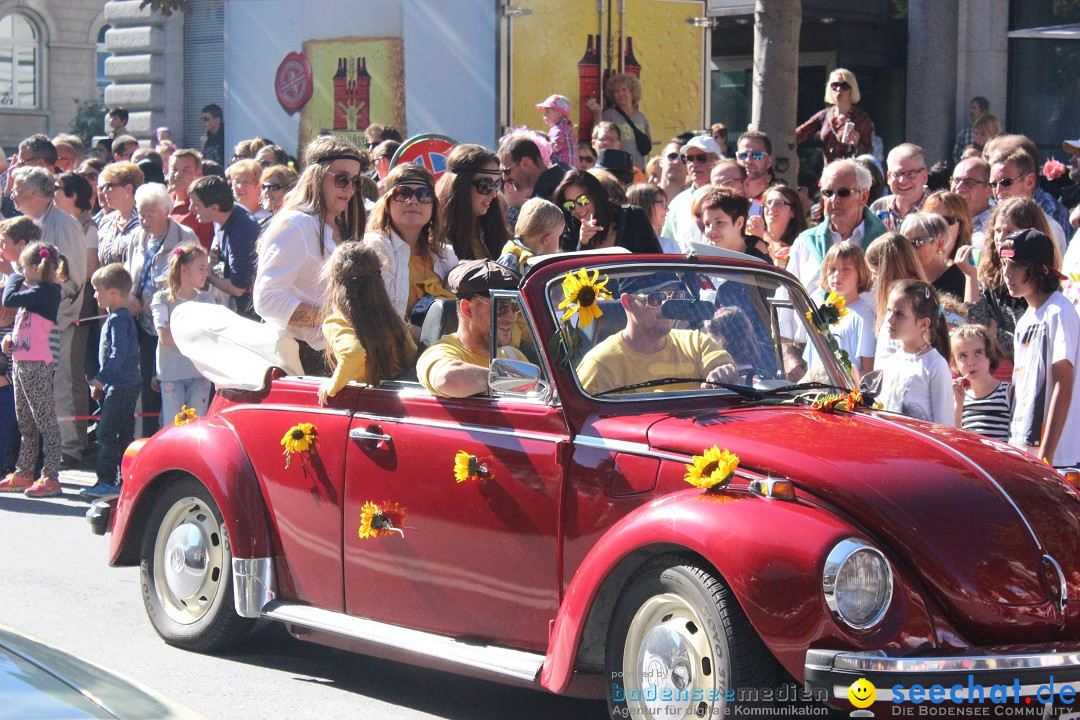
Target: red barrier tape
x,y
98,417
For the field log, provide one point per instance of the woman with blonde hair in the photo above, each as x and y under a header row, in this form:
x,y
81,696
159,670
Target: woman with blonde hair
x,y
845,130
928,233
890,257
322,211
953,209
623,95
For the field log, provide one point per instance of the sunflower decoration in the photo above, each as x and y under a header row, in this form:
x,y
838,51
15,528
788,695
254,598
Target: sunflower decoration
x,y
830,403
583,295
300,438
183,417
470,467
830,312
712,470
377,520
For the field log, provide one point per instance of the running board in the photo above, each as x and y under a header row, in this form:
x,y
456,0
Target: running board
x,y
505,662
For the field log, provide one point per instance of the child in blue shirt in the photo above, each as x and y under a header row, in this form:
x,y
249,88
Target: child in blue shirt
x,y
117,384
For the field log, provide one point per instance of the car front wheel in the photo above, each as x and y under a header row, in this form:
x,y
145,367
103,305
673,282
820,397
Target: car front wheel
x,y
186,570
680,646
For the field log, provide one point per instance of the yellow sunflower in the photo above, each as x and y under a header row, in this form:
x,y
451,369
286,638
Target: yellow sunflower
x,y
582,296
185,416
469,467
300,438
838,302
712,470
376,520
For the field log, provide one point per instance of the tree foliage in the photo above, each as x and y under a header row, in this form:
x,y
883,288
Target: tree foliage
x,y
165,7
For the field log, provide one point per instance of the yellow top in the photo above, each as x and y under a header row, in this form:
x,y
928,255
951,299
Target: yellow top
x,y
348,352
688,353
449,348
423,280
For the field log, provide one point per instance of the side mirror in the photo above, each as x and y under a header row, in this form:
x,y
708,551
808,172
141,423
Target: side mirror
x,y
513,377
871,382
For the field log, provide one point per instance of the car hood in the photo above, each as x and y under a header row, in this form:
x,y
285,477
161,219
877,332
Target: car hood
x,y
971,517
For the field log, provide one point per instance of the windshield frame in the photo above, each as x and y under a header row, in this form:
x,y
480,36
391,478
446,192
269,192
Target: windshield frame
x,y
801,304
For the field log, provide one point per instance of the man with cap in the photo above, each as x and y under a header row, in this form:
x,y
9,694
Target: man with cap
x,y
618,163
457,365
649,347
700,153
556,111
1046,411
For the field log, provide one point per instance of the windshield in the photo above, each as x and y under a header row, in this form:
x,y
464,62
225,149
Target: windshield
x,y
678,330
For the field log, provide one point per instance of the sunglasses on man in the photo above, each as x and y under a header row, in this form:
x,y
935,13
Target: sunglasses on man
x,y
745,155
272,186
839,192
1004,182
969,183
403,193
658,297
699,159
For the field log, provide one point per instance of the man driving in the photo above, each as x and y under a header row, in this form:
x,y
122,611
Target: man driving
x,y
457,365
649,348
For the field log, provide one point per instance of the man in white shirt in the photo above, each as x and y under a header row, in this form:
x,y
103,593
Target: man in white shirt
x,y
700,154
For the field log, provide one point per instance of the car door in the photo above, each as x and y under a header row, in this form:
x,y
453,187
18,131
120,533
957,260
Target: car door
x,y
478,558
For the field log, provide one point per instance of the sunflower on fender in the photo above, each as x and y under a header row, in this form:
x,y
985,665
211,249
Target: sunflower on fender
x,y
185,416
713,469
300,438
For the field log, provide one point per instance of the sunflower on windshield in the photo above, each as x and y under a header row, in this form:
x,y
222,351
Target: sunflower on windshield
x,y
583,295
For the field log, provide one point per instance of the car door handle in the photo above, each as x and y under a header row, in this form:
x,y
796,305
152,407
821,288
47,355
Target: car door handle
x,y
362,434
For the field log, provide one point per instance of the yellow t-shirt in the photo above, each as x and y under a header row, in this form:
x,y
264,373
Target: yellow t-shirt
x,y
349,354
449,348
688,353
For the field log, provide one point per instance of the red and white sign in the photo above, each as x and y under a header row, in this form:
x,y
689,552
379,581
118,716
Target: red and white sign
x,y
428,150
293,82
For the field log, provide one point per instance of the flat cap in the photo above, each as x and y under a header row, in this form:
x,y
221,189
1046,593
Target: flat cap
x,y
478,277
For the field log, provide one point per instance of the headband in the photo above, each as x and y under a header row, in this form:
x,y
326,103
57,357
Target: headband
x,y
411,181
340,156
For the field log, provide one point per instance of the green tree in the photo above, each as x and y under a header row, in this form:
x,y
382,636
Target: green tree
x,y
89,120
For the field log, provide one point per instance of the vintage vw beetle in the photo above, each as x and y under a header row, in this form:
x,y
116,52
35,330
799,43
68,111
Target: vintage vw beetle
x,y
545,535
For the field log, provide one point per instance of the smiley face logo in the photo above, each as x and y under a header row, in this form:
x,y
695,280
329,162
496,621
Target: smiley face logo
x,y
862,693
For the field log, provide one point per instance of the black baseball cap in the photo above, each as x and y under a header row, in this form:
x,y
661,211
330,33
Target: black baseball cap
x,y
478,277
1032,247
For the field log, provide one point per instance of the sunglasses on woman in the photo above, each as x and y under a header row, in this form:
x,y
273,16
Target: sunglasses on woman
x,y
659,297
342,180
840,86
272,186
487,186
404,193
580,201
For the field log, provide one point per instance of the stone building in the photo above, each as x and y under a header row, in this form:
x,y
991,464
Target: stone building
x,y
51,56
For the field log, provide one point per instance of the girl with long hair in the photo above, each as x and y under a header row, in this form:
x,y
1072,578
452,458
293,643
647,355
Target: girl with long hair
x,y
360,317
322,211
781,221
890,258
471,214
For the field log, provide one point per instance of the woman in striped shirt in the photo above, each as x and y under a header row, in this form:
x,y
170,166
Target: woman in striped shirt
x,y
983,403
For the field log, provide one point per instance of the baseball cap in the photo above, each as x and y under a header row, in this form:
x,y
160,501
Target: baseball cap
x,y
1071,146
1031,247
616,161
705,143
556,102
478,277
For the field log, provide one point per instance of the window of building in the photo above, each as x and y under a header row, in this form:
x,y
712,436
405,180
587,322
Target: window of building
x,y
102,53
19,61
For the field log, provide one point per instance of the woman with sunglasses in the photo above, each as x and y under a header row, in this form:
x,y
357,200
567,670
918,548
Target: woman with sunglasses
x,y
404,230
471,214
276,181
928,233
781,221
594,221
845,130
954,209
321,212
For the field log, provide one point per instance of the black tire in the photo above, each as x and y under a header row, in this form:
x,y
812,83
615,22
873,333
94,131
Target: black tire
x,y
661,615
196,610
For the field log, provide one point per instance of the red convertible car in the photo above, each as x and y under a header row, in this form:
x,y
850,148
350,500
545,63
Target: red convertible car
x,y
609,521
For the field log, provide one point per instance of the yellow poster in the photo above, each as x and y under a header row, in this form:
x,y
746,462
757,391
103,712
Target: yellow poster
x,y
554,50
355,82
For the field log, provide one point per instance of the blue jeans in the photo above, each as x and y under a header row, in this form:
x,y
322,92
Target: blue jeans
x,y
175,394
115,430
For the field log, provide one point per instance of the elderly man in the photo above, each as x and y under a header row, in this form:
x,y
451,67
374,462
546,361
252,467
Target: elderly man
x,y
845,187
672,170
755,155
70,151
522,164
907,178
185,167
700,154
33,192
971,181
649,347
34,151
457,365
244,176
1014,176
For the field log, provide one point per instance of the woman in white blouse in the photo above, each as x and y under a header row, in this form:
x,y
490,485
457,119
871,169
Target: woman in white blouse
x,y
404,230
322,211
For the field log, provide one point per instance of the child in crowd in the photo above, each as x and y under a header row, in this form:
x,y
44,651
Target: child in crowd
x,y
181,383
845,272
117,383
36,293
539,225
916,380
891,258
983,403
556,110
360,315
1046,347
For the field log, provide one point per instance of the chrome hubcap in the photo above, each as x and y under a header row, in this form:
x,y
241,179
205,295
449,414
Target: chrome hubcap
x,y
189,562
668,665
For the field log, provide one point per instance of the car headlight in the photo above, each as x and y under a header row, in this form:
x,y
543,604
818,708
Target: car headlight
x,y
857,583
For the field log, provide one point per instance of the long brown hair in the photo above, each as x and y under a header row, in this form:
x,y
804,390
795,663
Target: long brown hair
x,y
355,289
798,216
1023,213
380,222
895,260
454,190
307,195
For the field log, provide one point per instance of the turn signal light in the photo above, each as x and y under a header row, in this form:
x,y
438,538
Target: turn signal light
x,y
775,488
1072,477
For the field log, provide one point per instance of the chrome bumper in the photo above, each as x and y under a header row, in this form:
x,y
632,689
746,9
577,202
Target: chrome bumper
x,y
1033,667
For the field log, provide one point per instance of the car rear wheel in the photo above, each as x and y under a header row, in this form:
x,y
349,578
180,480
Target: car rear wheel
x,y
186,570
679,644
